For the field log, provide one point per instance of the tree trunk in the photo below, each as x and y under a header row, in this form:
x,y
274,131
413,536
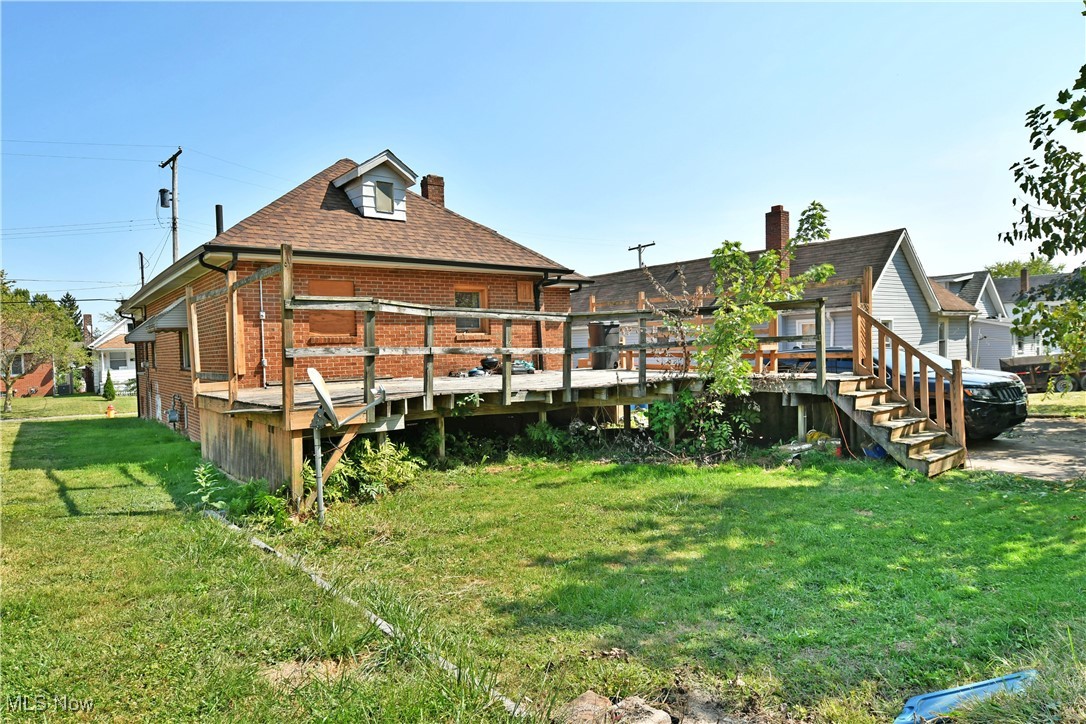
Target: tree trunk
x,y
7,399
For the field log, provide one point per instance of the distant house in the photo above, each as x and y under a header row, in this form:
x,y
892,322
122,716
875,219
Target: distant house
x,y
924,314
1003,340
35,382
112,355
990,339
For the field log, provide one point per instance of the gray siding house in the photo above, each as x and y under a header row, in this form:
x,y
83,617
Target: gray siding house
x,y
990,338
926,315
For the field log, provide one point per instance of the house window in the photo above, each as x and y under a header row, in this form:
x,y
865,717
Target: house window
x,y
183,341
118,360
805,329
944,333
383,196
17,367
473,299
1020,343
888,323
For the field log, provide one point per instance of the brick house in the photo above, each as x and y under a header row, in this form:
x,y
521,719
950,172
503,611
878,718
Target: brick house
x,y
357,230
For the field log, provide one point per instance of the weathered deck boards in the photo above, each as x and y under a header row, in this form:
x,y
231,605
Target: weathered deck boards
x,y
350,393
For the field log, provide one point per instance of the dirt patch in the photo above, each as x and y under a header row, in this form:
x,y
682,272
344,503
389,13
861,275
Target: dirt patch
x,y
1044,448
294,674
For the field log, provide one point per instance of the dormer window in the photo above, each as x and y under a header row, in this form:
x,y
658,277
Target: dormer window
x,y
378,187
383,191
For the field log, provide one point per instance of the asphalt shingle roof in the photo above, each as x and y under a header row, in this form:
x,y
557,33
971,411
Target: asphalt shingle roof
x,y
1009,288
318,217
849,256
970,291
948,300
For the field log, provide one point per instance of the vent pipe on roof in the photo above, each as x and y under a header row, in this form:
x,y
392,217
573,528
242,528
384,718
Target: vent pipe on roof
x,y
218,219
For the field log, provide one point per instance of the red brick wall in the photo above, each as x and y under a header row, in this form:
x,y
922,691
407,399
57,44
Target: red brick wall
x,y
393,330
410,285
41,377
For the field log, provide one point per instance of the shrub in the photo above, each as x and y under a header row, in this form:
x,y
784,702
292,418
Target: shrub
x,y
542,438
109,392
706,424
367,473
250,502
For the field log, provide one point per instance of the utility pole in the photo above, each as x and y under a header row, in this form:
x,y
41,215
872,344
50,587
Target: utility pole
x,y
640,248
172,163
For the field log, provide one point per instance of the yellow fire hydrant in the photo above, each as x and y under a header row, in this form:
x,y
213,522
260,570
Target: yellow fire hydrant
x,y
110,412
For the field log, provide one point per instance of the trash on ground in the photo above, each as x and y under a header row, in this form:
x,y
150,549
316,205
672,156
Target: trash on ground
x,y
930,707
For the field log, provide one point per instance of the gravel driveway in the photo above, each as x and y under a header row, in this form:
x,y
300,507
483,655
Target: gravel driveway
x,y
1046,448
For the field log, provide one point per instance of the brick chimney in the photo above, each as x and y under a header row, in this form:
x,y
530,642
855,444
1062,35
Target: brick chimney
x,y
1023,280
777,232
88,328
433,188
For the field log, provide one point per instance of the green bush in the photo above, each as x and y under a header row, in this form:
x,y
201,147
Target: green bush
x,y
250,502
705,424
109,392
542,438
367,473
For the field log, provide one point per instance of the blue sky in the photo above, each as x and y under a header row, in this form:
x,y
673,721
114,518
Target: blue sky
x,y
576,129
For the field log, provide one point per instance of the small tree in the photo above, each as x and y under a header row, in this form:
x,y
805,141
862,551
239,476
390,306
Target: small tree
x,y
109,392
1052,216
1036,266
35,330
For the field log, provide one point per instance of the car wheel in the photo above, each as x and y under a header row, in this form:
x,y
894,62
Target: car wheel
x,y
1065,384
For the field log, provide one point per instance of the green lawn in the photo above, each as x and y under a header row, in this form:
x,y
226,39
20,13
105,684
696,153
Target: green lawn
x,y
840,590
114,594
1069,404
82,404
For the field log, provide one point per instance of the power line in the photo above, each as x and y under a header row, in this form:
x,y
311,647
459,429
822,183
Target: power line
x,y
26,237
67,281
79,143
229,178
234,163
87,223
77,158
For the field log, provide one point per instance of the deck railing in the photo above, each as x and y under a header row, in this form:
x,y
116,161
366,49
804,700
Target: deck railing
x,y
911,374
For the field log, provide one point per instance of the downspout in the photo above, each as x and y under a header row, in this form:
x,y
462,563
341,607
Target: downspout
x,y
263,358
537,293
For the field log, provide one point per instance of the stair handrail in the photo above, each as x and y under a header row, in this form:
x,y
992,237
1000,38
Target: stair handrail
x,y
868,331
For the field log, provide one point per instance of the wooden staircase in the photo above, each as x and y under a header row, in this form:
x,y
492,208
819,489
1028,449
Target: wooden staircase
x,y
910,438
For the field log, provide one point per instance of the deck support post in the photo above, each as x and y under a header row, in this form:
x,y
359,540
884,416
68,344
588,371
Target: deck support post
x,y
542,417
801,419
627,421
440,437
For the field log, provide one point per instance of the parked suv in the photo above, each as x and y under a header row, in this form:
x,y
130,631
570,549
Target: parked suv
x,y
994,401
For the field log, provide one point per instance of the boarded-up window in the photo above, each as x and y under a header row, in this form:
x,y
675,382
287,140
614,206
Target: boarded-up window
x,y
383,196
331,323
524,292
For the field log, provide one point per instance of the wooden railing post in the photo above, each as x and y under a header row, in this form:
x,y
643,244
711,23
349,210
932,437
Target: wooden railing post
x,y
867,291
231,336
642,354
925,388
428,365
369,340
294,457
957,403
507,362
567,360
820,344
194,343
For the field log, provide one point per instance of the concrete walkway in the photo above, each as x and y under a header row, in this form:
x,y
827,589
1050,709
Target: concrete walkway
x,y
1051,448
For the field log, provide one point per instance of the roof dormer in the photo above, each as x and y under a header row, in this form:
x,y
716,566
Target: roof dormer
x,y
378,187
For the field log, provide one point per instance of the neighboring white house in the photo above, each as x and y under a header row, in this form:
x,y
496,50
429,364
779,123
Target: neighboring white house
x,y
110,354
924,314
991,338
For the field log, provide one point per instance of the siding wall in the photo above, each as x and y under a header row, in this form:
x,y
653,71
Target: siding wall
x,y
998,343
898,297
987,306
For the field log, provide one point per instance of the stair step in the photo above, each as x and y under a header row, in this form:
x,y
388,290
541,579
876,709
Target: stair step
x,y
938,461
900,424
935,455
885,412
